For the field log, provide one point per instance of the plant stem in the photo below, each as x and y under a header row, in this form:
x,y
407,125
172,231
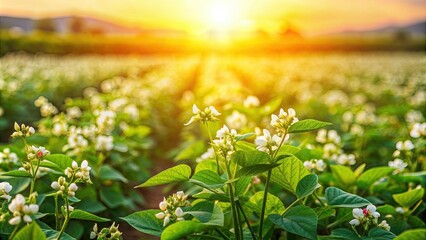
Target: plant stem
x,y
211,142
247,221
15,230
317,198
265,193
33,179
56,213
265,196
291,205
67,218
222,234
233,207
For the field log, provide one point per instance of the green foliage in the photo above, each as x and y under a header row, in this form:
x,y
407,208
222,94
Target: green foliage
x,y
370,176
412,234
31,231
344,175
307,185
146,222
207,179
182,229
339,198
289,173
178,173
307,125
300,220
83,215
409,198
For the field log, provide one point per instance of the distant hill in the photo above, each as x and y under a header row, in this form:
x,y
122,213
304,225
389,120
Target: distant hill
x,y
62,25
417,29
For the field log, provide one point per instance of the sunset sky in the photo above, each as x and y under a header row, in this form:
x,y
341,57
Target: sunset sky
x,y
309,16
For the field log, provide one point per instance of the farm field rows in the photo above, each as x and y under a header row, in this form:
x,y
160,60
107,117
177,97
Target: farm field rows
x,y
301,146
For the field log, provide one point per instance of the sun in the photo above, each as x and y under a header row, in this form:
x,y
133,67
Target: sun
x,y
223,15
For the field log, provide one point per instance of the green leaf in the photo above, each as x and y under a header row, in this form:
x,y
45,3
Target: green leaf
x,y
17,173
212,196
178,173
83,215
146,222
30,231
244,136
370,176
254,170
412,234
307,185
61,160
241,186
359,170
206,165
344,175
182,229
244,146
207,179
289,173
378,233
273,204
106,172
50,165
339,198
250,157
409,198
300,220
307,125
208,213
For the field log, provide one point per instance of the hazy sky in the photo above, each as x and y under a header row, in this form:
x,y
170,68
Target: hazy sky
x,y
310,16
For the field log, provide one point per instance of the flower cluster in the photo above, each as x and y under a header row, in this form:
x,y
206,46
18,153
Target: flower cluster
x,y
224,145
8,157
64,188
22,131
82,173
418,130
315,164
111,233
398,164
330,136
208,115
332,148
283,121
267,143
37,153
251,101
171,210
346,159
21,211
367,218
46,108
5,189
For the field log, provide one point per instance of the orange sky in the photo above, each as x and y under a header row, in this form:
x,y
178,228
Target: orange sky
x,y
310,16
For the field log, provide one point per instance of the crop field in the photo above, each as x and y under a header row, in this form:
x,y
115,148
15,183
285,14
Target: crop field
x,y
213,146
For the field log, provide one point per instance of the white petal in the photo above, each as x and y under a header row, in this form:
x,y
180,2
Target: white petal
x,y
357,213
195,109
354,222
291,112
371,208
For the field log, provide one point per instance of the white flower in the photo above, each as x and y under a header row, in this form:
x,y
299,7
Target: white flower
x,y
163,205
5,189
346,159
418,130
55,185
104,143
208,115
15,220
284,120
384,225
400,210
399,164
251,101
166,221
236,120
179,212
407,145
354,222
317,164
160,215
8,157
20,211
207,155
268,143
